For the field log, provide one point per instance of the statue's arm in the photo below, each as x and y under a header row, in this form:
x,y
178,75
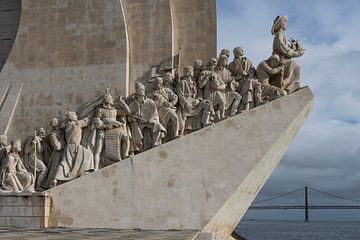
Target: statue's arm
x,y
55,143
125,110
203,79
281,42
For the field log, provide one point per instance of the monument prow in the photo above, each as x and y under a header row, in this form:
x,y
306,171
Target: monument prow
x,y
204,180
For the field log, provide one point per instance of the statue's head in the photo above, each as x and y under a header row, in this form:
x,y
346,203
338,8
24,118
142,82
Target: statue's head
x,y
168,78
41,133
212,63
71,116
158,83
198,64
223,60
3,140
225,52
108,99
233,85
16,145
140,89
188,71
274,60
238,52
54,123
279,23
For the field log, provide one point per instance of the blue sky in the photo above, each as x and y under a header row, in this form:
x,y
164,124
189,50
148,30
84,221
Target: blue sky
x,y
326,152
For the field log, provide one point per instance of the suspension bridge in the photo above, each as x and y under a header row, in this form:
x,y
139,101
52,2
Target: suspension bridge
x,y
290,200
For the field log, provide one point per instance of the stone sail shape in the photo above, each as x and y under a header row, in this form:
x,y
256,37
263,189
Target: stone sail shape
x,y
67,52
208,178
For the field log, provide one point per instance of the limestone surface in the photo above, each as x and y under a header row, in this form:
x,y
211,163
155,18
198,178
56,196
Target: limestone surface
x,y
182,184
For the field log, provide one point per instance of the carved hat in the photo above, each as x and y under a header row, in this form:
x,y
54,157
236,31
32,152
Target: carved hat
x,y
139,87
277,22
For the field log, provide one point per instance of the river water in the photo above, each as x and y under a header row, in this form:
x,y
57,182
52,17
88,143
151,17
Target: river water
x,y
281,230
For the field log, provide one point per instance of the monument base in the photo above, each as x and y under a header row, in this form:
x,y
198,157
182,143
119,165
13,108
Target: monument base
x,y
26,210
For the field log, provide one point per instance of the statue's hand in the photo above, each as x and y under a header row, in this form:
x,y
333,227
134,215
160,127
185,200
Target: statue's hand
x,y
166,104
301,51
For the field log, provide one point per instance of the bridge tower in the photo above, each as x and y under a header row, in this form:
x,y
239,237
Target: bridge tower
x,y
306,205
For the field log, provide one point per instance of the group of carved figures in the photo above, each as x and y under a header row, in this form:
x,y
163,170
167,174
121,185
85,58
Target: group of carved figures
x,y
170,107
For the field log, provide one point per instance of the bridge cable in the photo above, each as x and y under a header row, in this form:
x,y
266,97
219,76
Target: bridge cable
x,y
279,196
333,195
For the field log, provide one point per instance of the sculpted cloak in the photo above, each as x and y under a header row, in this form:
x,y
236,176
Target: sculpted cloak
x,y
76,159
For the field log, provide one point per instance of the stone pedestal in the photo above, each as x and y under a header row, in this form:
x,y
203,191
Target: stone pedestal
x,y
26,210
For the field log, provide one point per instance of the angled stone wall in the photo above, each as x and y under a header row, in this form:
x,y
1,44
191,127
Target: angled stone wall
x,y
182,184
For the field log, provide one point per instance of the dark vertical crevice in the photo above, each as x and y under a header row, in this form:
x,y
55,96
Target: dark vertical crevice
x,y
10,12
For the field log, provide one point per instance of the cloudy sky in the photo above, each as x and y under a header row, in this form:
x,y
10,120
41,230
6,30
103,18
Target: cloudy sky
x,y
326,152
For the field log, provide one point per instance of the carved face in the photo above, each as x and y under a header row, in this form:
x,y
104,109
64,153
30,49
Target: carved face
x,y
212,64
42,133
16,146
283,23
158,83
190,72
72,116
3,140
198,65
54,122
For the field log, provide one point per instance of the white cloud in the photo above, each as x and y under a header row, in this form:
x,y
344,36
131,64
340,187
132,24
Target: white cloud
x,y
326,153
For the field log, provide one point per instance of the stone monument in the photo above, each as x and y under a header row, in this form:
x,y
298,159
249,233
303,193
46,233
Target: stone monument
x,y
181,146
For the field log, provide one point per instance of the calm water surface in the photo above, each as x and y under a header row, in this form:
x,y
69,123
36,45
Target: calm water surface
x,y
276,230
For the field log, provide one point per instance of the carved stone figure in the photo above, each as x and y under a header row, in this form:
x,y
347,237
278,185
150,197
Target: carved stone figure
x,y
231,96
110,133
251,92
169,81
198,68
214,88
166,101
37,150
57,145
226,53
13,175
4,147
265,72
240,66
145,126
76,159
286,49
195,112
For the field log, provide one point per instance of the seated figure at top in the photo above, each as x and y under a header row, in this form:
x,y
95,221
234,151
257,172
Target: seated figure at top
x,y
110,133
146,129
213,87
286,49
266,70
76,160
13,175
240,66
195,112
166,101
